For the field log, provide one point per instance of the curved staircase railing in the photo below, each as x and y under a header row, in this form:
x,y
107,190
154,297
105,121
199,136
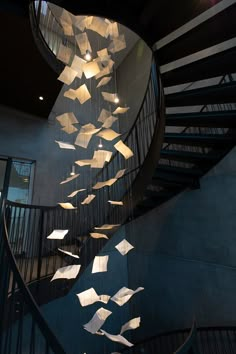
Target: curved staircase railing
x,y
22,327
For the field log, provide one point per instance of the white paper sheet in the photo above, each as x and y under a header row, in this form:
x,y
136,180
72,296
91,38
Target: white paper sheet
x,y
98,25
114,202
89,297
67,206
69,129
104,114
83,140
68,179
124,294
67,28
76,192
104,81
104,72
68,272
64,54
91,69
108,134
71,94
100,157
106,227
79,22
124,247
98,235
117,338
120,173
113,30
132,324
121,110
117,44
88,199
89,129
100,264
64,145
109,122
67,76
83,43
107,183
84,162
110,97
77,65
124,149
68,253
58,234
103,54
82,94
97,320
67,119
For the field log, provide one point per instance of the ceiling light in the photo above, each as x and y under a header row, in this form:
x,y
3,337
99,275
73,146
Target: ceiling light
x,y
41,98
88,55
100,144
72,171
116,99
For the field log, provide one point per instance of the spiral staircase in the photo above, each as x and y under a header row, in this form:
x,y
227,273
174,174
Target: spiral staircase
x,y
195,52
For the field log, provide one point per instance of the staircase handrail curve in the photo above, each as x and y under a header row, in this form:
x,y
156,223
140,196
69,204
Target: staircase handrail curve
x,y
35,311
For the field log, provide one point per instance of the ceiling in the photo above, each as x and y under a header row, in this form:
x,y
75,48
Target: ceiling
x,y
25,75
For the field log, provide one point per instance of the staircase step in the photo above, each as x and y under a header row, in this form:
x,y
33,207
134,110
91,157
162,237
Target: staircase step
x,y
185,181
179,170
191,157
216,65
216,119
211,140
223,93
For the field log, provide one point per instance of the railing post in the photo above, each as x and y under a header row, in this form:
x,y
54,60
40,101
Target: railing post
x,y
41,224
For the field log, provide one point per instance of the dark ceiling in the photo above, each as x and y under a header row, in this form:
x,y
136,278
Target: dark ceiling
x,y
25,75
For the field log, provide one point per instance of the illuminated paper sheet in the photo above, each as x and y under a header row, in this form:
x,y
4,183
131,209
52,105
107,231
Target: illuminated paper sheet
x,y
76,192
108,134
132,324
83,43
69,129
64,54
89,198
124,149
68,253
104,115
98,25
109,122
89,297
113,30
67,119
77,65
68,179
100,157
98,235
103,54
71,94
89,129
69,272
67,76
58,234
120,173
107,227
83,140
107,183
79,22
117,44
91,69
64,145
82,94
117,338
104,81
67,206
110,97
124,247
97,320
66,22
113,202
104,72
124,294
84,162
100,264
121,110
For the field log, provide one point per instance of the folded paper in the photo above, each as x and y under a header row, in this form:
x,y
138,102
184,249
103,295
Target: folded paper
x,y
67,119
88,200
124,247
108,134
83,43
124,149
83,140
91,69
67,206
100,264
98,235
114,202
67,76
89,129
58,234
124,294
104,114
97,320
121,110
69,272
64,145
89,297
68,253
109,122
69,129
110,97
104,81
71,94
117,44
76,192
82,94
68,179
113,30
117,338
107,227
98,24
64,54
120,173
100,157
107,183
77,65
132,324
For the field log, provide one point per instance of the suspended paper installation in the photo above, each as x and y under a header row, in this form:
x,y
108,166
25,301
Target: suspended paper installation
x,y
64,54
132,324
67,119
100,264
69,179
124,149
68,253
69,272
84,162
104,114
107,183
67,206
100,157
109,122
76,192
97,320
91,69
117,338
121,110
89,198
83,43
108,134
124,247
81,93
124,294
78,65
64,145
71,94
98,235
83,140
89,297
69,129
106,227
67,76
58,234
104,81
114,202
